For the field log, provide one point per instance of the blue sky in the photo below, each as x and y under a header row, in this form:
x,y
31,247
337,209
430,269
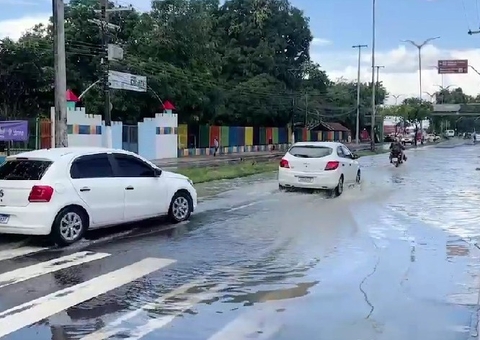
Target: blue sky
x,y
349,22
339,24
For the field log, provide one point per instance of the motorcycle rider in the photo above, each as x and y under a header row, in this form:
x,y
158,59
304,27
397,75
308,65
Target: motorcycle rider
x,y
396,148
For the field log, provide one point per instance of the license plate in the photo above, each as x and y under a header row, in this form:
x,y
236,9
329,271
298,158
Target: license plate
x,y
4,219
394,159
305,179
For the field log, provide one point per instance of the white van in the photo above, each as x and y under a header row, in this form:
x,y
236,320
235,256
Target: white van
x,y
450,133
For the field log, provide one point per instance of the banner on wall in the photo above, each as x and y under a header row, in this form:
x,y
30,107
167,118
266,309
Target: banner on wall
x,y
127,81
14,130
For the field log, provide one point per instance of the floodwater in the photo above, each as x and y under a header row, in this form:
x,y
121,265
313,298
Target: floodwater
x,y
395,258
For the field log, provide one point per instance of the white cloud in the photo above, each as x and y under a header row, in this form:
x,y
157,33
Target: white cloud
x,y
320,42
400,74
14,28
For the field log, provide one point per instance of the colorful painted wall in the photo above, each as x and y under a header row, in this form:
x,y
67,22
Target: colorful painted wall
x,y
161,137
199,140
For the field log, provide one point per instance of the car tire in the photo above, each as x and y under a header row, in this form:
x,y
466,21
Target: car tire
x,y
69,226
358,179
338,189
281,187
181,207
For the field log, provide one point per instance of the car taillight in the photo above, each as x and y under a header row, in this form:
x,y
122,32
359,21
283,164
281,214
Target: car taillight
x,y
284,164
40,193
332,165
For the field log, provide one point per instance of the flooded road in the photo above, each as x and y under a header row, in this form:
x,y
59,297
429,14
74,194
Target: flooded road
x,y
395,258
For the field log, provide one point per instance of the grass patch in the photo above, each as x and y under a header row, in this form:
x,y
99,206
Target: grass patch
x,y
227,171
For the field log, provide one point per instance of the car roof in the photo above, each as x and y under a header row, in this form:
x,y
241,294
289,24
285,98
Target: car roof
x,y
55,154
326,144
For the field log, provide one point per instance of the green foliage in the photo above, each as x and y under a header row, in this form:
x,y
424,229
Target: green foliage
x,y
245,62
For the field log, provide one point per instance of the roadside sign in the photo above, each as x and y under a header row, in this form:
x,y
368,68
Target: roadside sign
x,y
453,66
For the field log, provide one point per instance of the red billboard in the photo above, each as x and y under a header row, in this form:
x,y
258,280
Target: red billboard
x,y
453,66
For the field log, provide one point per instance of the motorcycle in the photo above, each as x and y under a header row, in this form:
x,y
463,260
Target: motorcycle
x,y
396,159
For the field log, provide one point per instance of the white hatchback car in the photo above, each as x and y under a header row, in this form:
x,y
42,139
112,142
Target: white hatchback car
x,y
63,192
319,165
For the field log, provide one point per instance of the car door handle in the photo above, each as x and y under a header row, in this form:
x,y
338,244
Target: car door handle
x,y
129,188
84,189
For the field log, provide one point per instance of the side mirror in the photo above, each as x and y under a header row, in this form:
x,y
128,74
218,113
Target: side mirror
x,y
157,172
355,156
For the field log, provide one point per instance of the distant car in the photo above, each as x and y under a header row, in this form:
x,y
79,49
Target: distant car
x,y
450,133
66,191
319,165
407,140
432,137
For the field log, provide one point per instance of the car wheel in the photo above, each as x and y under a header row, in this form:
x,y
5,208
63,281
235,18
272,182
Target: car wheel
x,y
358,179
281,187
180,207
338,190
69,226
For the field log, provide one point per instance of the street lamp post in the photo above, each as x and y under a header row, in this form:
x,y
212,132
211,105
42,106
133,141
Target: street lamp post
x,y
419,47
431,95
377,84
396,96
372,141
357,125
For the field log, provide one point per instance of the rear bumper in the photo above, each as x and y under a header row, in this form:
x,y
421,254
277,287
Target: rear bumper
x,y
323,181
34,219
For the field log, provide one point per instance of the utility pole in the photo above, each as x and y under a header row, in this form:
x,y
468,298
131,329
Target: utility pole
x,y
357,125
110,52
60,130
419,47
306,110
372,142
377,84
106,70
378,74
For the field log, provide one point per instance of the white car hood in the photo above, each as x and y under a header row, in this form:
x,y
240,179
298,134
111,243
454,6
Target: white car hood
x,y
174,175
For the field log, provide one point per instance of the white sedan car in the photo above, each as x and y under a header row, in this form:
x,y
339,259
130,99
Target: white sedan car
x,y
319,165
66,191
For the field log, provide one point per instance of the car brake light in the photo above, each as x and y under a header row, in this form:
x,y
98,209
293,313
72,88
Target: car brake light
x,y
40,193
284,164
332,165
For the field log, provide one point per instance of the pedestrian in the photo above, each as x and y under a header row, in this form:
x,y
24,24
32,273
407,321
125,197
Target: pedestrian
x,y
215,145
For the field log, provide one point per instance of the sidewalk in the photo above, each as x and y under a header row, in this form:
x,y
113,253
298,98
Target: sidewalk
x,y
210,160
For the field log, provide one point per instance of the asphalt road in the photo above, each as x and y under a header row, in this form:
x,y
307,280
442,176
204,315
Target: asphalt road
x,y
393,259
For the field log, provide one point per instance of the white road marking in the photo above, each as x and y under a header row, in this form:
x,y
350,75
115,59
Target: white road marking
x,y
8,254
110,330
251,325
28,313
242,206
27,273
179,307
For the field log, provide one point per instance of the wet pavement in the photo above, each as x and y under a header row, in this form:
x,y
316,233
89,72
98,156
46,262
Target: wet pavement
x,y
395,258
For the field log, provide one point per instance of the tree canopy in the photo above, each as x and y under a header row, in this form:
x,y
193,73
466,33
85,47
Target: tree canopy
x,y
245,62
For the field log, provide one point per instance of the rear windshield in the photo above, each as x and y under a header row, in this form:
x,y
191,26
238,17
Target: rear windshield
x,y
310,151
23,170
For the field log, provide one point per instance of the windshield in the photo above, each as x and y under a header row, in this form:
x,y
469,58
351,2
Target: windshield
x,y
310,151
23,170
